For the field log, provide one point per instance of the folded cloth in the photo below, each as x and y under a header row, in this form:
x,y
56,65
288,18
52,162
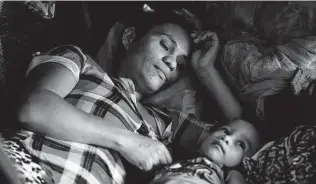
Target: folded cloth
x,y
258,71
303,82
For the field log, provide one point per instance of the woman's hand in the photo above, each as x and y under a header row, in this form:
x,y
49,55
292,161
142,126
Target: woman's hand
x,y
144,152
204,57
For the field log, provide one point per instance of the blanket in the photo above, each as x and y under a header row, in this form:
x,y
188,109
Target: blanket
x,y
290,159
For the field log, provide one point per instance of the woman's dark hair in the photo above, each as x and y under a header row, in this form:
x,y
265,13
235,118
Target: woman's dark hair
x,y
145,21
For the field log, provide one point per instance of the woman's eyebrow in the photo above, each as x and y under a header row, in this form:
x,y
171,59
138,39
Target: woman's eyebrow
x,y
170,37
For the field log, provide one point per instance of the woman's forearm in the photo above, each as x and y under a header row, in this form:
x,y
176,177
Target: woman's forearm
x,y
218,89
48,113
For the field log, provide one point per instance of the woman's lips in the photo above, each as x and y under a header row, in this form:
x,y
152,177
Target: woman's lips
x,y
160,73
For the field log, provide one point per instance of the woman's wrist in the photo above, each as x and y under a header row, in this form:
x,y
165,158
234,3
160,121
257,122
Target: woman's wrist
x,y
122,139
206,73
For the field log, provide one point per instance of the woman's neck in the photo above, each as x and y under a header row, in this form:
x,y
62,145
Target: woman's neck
x,y
122,74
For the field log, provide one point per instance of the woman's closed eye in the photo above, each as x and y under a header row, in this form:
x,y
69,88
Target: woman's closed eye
x,y
164,46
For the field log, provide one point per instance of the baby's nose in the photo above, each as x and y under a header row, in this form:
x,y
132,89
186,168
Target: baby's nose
x,y
227,139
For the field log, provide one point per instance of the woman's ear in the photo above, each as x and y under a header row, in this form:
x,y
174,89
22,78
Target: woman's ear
x,y
128,37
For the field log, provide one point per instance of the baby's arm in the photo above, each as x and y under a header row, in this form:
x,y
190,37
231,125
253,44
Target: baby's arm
x,y
235,177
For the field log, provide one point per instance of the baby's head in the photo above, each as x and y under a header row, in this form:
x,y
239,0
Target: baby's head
x,y
231,143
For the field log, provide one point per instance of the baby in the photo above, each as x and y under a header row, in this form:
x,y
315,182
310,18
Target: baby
x,y
220,151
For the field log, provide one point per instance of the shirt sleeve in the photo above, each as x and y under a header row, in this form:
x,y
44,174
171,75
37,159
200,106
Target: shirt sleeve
x,y
69,56
186,132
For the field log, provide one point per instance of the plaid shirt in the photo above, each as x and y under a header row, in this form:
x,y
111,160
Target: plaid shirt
x,y
98,94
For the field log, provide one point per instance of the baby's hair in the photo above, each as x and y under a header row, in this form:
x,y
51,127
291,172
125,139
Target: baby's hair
x,y
258,126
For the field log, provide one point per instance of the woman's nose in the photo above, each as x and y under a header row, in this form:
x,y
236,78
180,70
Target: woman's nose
x,y
170,61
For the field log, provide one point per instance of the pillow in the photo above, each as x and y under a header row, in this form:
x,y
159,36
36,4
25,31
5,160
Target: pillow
x,y
258,70
179,96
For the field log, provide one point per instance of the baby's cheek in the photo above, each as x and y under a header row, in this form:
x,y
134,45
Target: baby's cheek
x,y
236,158
214,154
206,151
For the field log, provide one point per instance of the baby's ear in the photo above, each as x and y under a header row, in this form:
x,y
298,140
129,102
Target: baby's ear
x,y
128,37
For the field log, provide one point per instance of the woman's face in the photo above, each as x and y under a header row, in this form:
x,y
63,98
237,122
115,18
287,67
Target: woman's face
x,y
157,58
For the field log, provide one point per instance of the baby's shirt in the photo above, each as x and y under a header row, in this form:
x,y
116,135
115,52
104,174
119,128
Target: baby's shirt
x,y
196,170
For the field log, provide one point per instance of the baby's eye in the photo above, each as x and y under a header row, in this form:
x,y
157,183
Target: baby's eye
x,y
242,145
164,46
226,131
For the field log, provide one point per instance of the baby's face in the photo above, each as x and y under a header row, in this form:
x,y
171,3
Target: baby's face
x,y
231,143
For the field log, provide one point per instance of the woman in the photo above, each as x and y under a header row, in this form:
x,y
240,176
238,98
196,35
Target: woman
x,y
103,122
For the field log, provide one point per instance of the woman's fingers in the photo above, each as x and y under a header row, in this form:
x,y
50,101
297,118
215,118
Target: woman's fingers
x,y
206,54
155,157
195,57
197,38
212,36
145,153
167,156
147,165
162,155
204,36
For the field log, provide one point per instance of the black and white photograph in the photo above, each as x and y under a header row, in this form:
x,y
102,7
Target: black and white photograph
x,y
157,92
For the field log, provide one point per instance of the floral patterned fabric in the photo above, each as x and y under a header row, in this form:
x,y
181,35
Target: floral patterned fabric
x,y
290,159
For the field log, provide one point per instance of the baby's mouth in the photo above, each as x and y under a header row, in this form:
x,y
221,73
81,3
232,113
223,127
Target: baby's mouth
x,y
219,145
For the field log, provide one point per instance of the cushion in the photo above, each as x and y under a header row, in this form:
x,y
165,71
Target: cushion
x,y
257,70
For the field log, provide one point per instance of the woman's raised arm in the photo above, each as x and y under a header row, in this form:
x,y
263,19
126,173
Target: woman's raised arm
x,y
203,63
